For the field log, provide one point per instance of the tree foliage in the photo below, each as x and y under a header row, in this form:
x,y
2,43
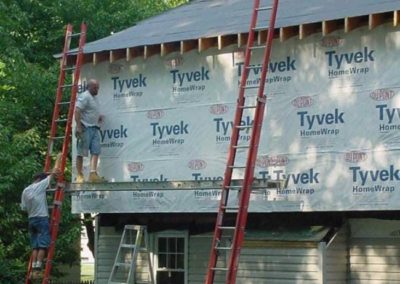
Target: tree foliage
x,y
31,32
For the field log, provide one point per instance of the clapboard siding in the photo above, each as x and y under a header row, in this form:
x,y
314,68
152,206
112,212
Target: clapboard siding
x,y
336,258
375,260
374,252
259,265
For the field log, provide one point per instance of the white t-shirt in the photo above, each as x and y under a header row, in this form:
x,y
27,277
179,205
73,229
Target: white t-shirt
x,y
89,107
34,200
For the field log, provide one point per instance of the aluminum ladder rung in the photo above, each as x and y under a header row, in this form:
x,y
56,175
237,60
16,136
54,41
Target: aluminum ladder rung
x,y
223,248
57,137
128,246
64,103
260,28
75,34
61,120
237,167
226,228
241,127
250,87
69,68
219,269
123,264
241,146
250,67
68,86
247,107
231,209
257,47
234,186
265,8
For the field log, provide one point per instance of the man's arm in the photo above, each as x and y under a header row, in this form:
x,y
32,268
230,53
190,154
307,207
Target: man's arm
x,y
78,128
57,166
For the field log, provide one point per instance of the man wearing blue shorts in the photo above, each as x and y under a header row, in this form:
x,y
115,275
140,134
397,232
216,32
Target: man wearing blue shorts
x,y
87,131
34,201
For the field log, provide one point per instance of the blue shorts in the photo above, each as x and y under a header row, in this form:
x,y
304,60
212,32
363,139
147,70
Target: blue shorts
x,y
39,232
90,140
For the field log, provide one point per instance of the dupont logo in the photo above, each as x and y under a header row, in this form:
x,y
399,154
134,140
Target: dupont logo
x,y
382,94
135,167
272,161
197,164
332,41
303,101
155,114
114,68
173,63
355,156
219,109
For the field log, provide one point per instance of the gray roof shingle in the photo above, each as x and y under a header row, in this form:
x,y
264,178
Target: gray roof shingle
x,y
208,18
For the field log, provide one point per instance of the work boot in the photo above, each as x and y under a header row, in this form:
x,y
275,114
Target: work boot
x,y
80,179
95,178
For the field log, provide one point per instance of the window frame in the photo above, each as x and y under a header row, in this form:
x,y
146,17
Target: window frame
x,y
171,234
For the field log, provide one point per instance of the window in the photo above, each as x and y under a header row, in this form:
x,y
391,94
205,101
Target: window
x,y
171,259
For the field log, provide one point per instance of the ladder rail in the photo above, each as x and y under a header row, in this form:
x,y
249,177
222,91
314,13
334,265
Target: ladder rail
x,y
232,151
56,111
252,155
55,218
55,116
249,168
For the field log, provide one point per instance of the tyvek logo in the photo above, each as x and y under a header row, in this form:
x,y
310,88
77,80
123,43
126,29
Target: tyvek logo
x,y
135,167
355,156
114,68
303,101
114,137
271,161
389,174
219,109
332,41
383,94
197,164
172,63
155,114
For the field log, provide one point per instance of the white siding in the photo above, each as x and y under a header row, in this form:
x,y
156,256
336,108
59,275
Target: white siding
x,y
265,262
375,252
336,258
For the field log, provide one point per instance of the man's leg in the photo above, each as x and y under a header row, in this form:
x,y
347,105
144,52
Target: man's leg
x,y
79,165
34,255
40,256
95,150
94,159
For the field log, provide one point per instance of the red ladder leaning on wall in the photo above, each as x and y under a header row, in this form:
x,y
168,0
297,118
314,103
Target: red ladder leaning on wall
x,y
222,227
61,128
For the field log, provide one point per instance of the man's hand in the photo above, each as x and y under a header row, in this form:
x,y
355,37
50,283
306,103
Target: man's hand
x,y
78,131
56,172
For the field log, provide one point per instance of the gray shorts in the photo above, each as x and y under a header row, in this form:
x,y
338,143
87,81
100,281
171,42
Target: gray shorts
x,y
90,141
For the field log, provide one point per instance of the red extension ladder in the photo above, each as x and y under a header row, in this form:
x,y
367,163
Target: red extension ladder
x,y
228,239
61,128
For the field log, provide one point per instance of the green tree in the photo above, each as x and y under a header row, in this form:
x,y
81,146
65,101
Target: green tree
x,y
31,32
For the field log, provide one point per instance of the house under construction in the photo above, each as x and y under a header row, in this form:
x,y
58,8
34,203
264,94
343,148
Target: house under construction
x,y
325,208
